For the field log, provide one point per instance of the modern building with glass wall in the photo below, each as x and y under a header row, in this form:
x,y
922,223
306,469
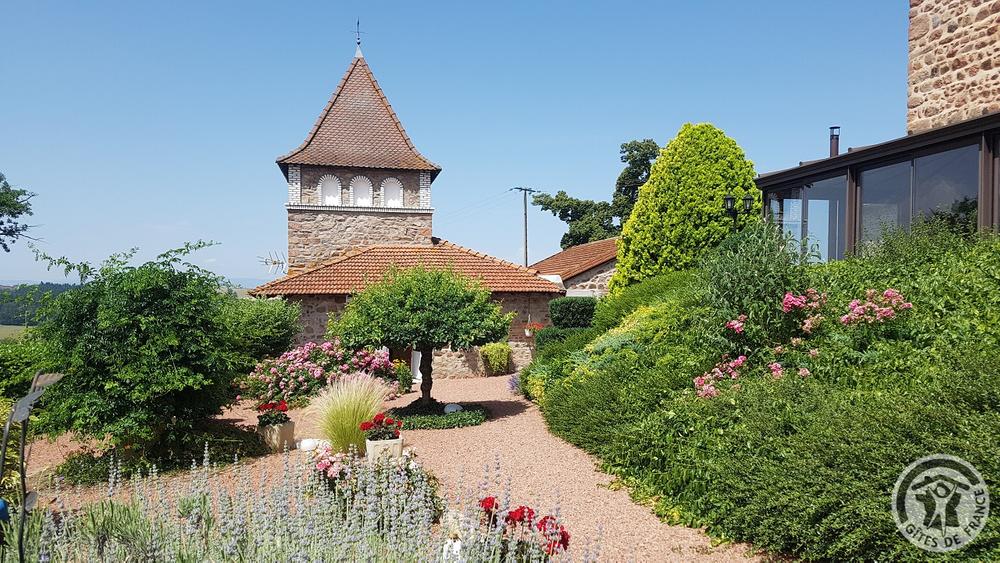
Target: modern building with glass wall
x,y
844,201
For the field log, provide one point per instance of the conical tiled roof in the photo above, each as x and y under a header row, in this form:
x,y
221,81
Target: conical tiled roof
x,y
358,128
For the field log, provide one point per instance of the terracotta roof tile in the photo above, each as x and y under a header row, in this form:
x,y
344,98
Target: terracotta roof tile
x,y
578,259
356,270
358,128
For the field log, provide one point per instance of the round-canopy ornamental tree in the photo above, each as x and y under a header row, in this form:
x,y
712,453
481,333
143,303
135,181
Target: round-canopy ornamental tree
x,y
679,214
426,309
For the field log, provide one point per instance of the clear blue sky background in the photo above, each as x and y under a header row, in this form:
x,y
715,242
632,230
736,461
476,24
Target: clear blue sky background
x,y
150,124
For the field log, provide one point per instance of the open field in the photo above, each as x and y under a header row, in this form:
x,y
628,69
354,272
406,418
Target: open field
x,y
8,331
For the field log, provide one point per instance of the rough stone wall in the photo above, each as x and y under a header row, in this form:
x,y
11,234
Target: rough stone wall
x,y
594,279
319,234
316,310
463,364
954,71
533,306
309,177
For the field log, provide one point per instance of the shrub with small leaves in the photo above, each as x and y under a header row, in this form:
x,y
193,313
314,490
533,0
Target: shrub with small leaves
x,y
497,357
572,312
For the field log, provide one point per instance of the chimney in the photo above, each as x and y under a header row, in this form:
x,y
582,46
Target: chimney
x,y
834,140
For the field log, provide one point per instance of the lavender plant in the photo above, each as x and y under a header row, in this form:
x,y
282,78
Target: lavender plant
x,y
389,511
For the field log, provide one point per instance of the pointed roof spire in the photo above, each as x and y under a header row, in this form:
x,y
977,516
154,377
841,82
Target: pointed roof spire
x,y
358,128
357,37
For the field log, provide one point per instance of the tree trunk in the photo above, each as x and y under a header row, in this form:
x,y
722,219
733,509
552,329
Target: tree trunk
x,y
426,381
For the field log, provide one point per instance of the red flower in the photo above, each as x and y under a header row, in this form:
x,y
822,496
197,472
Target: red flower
x,y
266,407
389,421
489,504
379,418
556,536
520,514
397,433
282,406
399,423
366,426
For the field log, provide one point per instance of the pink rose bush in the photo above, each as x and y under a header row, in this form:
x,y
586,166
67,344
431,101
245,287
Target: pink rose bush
x,y
877,307
806,312
303,371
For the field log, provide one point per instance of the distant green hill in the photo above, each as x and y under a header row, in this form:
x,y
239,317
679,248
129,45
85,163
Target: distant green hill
x,y
18,304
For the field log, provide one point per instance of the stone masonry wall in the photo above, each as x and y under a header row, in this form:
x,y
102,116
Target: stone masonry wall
x,y
315,235
594,279
954,71
316,310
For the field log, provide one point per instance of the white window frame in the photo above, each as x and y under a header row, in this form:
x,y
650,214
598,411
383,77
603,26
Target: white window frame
x,y
392,183
359,182
321,193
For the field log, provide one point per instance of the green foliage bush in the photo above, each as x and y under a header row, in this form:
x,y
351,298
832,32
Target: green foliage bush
x,y
572,312
418,415
679,213
20,360
11,477
404,376
497,357
802,465
143,347
550,334
612,309
260,328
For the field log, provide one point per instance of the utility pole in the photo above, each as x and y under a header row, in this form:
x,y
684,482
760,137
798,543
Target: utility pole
x,y
525,192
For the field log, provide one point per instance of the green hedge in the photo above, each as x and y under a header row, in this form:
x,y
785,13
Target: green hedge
x,y
611,309
800,465
572,312
20,360
418,415
260,328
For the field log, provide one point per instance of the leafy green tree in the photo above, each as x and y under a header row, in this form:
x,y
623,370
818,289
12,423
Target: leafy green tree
x,y
144,348
638,157
14,204
679,214
425,309
590,220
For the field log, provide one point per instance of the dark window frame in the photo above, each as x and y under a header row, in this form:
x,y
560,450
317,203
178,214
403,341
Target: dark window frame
x,y
986,137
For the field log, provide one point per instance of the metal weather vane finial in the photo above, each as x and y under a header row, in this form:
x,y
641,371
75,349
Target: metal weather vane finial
x,y
357,32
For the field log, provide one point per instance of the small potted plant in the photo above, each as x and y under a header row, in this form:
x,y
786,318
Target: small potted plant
x,y
533,327
275,427
382,437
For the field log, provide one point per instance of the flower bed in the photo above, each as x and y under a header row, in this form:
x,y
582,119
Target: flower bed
x,y
301,372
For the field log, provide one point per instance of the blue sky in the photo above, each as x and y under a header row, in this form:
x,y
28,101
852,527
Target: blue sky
x,y
150,124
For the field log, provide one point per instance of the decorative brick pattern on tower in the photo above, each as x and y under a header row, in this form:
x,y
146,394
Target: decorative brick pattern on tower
x,y
954,71
294,184
425,190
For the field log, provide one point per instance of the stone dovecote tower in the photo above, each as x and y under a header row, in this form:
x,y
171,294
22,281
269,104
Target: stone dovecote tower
x,y
357,180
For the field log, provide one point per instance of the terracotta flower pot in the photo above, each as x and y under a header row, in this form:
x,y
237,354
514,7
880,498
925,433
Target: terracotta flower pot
x,y
277,436
375,449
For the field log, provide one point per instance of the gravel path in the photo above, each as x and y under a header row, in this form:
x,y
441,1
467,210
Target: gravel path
x,y
544,472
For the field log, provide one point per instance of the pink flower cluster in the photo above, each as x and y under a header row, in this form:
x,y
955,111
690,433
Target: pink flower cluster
x,y
736,325
303,371
705,384
331,464
877,307
812,300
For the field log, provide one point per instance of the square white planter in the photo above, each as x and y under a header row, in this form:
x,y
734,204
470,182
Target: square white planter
x,y
374,449
277,436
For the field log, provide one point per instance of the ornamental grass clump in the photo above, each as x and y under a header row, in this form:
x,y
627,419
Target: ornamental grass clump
x,y
344,405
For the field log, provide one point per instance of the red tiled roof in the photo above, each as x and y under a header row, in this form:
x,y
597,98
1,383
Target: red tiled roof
x,y
352,272
578,259
359,128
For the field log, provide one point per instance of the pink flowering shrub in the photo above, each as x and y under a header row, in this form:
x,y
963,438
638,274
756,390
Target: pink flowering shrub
x,y
303,371
737,325
707,384
877,307
805,308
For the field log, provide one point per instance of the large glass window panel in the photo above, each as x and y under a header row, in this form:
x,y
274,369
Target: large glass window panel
x,y
885,199
785,209
946,186
825,218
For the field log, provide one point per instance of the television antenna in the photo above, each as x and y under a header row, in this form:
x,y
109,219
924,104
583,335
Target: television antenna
x,y
276,262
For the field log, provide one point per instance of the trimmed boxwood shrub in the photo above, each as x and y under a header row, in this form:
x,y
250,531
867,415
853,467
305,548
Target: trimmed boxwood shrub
x,y
430,416
572,312
612,309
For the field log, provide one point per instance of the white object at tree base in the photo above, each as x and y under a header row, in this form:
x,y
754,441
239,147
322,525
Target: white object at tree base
x,y
452,407
309,444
